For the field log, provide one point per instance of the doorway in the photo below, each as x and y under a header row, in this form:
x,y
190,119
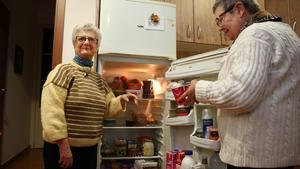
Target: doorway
x,y
4,32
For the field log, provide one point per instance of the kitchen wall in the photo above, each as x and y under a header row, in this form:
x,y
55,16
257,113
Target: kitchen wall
x,y
27,19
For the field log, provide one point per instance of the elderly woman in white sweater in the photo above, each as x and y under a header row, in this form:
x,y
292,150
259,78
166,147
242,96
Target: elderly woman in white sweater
x,y
258,88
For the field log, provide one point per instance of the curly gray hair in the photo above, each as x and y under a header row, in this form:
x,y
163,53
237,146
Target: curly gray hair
x,y
86,27
251,5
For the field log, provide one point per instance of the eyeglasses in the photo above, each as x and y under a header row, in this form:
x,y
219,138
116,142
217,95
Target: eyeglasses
x,y
82,39
219,19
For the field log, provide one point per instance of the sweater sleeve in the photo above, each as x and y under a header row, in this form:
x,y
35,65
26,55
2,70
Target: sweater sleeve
x,y
243,85
52,113
53,99
114,105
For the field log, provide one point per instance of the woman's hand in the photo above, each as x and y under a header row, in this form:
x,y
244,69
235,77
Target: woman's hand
x,y
188,97
124,98
66,158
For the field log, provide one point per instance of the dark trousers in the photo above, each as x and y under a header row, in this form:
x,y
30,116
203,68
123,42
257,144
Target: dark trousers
x,y
233,167
83,157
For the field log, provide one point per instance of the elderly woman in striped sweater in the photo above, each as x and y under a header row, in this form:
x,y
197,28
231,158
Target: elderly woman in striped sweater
x,y
257,90
74,101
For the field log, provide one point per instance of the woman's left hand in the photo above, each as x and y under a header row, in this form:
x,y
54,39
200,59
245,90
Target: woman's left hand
x,y
127,97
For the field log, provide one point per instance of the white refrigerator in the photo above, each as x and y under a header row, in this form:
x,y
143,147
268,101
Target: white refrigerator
x,y
138,44
184,130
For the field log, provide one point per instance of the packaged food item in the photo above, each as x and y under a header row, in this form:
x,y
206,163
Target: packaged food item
x,y
213,134
171,160
132,147
148,147
178,90
188,162
207,121
121,147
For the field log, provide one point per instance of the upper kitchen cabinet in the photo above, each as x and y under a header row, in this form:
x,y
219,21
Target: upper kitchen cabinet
x,y
206,30
195,22
184,20
295,16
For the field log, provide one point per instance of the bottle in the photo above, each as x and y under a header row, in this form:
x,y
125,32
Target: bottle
x,y
215,162
207,122
188,162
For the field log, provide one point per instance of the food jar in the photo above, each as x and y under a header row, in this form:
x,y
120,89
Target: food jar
x,y
121,147
132,147
148,147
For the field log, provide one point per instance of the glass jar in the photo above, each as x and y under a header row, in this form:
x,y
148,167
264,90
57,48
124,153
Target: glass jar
x,y
148,147
121,147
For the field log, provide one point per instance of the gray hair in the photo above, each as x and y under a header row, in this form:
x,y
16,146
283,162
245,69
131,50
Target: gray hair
x,y
251,5
86,27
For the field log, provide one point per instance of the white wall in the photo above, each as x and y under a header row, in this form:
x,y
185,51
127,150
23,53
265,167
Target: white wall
x,y
21,96
76,12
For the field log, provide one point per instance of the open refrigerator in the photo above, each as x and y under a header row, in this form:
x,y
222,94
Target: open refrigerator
x,y
166,131
124,136
186,132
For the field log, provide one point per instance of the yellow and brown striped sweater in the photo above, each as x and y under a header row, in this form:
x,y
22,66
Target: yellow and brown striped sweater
x,y
73,104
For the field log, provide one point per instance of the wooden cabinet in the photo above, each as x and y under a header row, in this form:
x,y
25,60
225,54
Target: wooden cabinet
x,y
295,16
205,28
287,9
196,23
184,20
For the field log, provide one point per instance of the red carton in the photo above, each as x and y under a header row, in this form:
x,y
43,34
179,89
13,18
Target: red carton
x,y
178,91
171,160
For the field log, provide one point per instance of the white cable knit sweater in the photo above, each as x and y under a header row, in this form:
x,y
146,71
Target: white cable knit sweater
x,y
258,93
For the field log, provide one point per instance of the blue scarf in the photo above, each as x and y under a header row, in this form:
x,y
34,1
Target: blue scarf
x,y
82,61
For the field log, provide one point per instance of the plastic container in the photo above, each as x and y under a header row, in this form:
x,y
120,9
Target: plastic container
x,y
207,121
188,162
178,91
148,148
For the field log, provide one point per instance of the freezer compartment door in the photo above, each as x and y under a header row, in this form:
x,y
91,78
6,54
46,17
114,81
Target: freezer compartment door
x,y
136,27
201,65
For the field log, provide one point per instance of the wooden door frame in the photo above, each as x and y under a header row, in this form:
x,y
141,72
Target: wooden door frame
x,y
5,19
58,32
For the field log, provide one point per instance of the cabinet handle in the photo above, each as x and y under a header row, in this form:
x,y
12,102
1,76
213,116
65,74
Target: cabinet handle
x,y
188,31
294,25
199,30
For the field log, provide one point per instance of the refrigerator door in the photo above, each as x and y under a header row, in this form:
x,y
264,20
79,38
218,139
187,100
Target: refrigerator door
x,y
205,64
136,27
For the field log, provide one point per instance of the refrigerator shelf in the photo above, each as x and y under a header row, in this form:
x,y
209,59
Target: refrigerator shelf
x,y
205,143
131,158
133,127
181,121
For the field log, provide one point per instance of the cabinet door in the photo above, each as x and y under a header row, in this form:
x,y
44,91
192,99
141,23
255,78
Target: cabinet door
x,y
279,8
184,20
205,29
295,15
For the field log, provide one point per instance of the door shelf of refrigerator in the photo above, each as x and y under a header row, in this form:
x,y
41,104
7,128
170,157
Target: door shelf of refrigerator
x,y
181,121
131,158
131,128
205,143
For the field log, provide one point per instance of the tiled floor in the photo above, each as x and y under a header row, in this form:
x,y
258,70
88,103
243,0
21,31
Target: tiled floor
x,y
29,159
